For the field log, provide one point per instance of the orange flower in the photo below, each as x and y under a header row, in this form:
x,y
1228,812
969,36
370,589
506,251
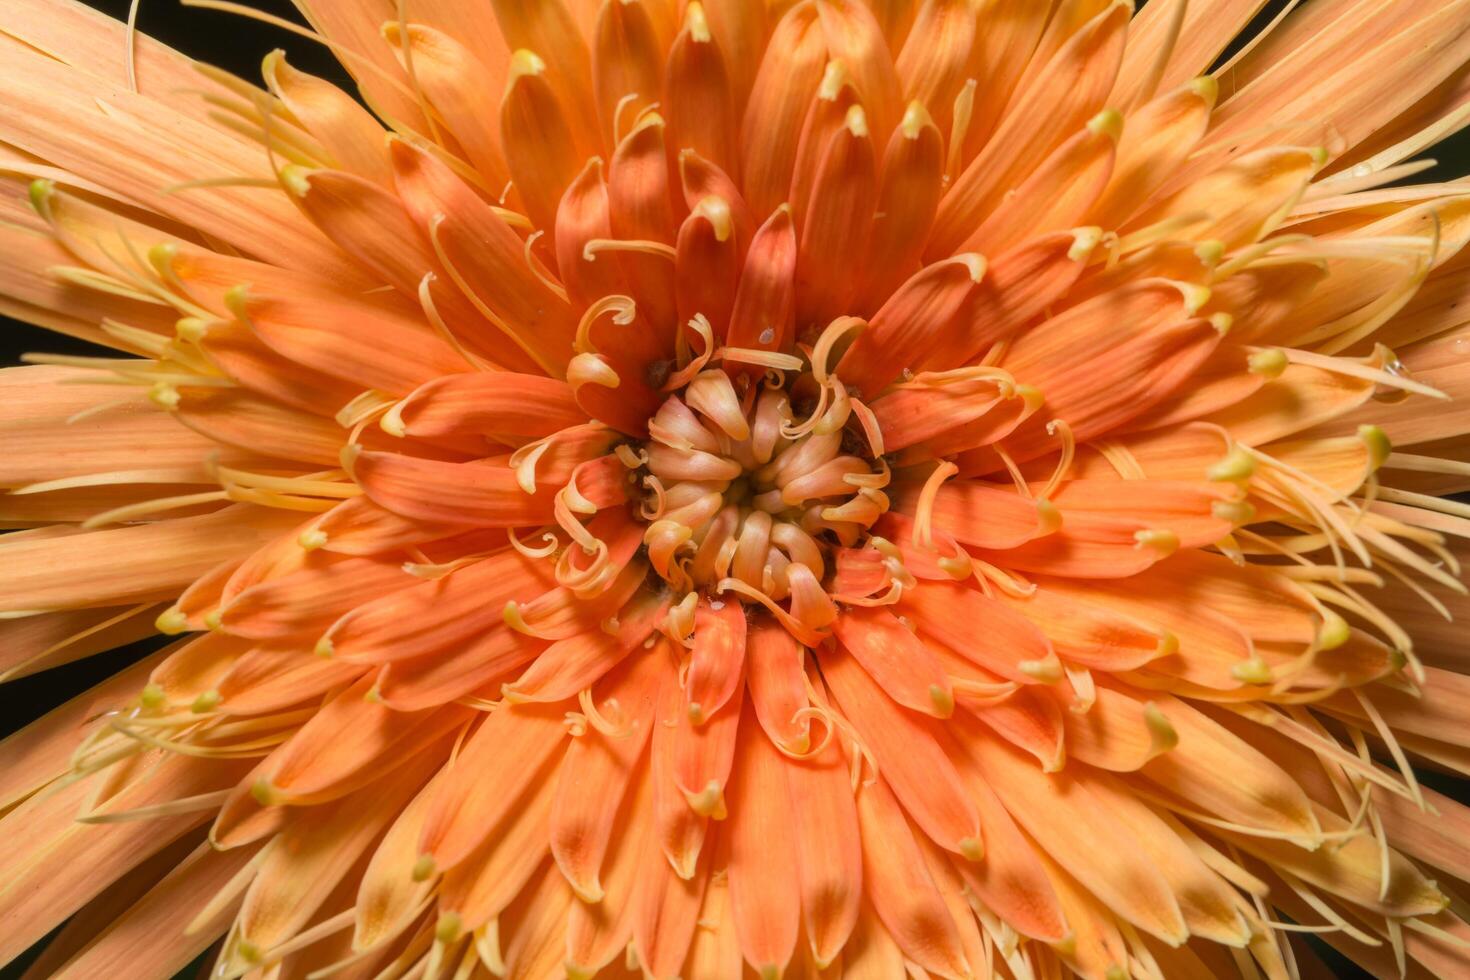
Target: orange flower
x,y
826,488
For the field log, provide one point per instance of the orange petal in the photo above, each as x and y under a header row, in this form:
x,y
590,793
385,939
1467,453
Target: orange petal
x,y
455,82
698,99
763,849
917,319
895,659
828,850
776,684
899,885
1061,191
316,764
903,743
568,666
581,217
668,917
347,130
484,886
383,350
129,564
596,773
836,219
717,659
908,198
764,317
545,143
1156,140
519,406
1079,832
708,265
789,74
310,597
1010,645
511,743
485,258
642,208
1063,96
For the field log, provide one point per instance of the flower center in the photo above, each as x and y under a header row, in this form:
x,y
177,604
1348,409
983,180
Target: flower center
x,y
743,497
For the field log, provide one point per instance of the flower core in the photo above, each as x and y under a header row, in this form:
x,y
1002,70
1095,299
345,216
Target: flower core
x,y
743,496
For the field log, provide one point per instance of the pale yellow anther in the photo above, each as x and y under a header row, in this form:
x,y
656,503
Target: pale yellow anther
x,y
975,263
525,62
161,257
423,868
942,701
41,191
1048,517
295,179
958,567
449,928
1207,87
1222,322
266,793
1108,123
1377,442
1161,733
212,620
1254,671
164,395
191,328
1210,252
972,848
1115,972
1235,511
1167,646
710,801
856,121
696,23
349,455
248,951
1333,632
392,421
1194,295
1031,397
1084,241
151,697
1237,467
1320,156
915,119
1161,540
1047,671
312,538
1269,363
237,301
324,647
205,702
834,77
716,210
172,621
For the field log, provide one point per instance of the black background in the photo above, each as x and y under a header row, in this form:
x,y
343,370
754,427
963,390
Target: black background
x,y
237,45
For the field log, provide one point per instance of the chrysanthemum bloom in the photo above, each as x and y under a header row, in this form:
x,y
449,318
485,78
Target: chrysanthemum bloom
x,y
717,489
